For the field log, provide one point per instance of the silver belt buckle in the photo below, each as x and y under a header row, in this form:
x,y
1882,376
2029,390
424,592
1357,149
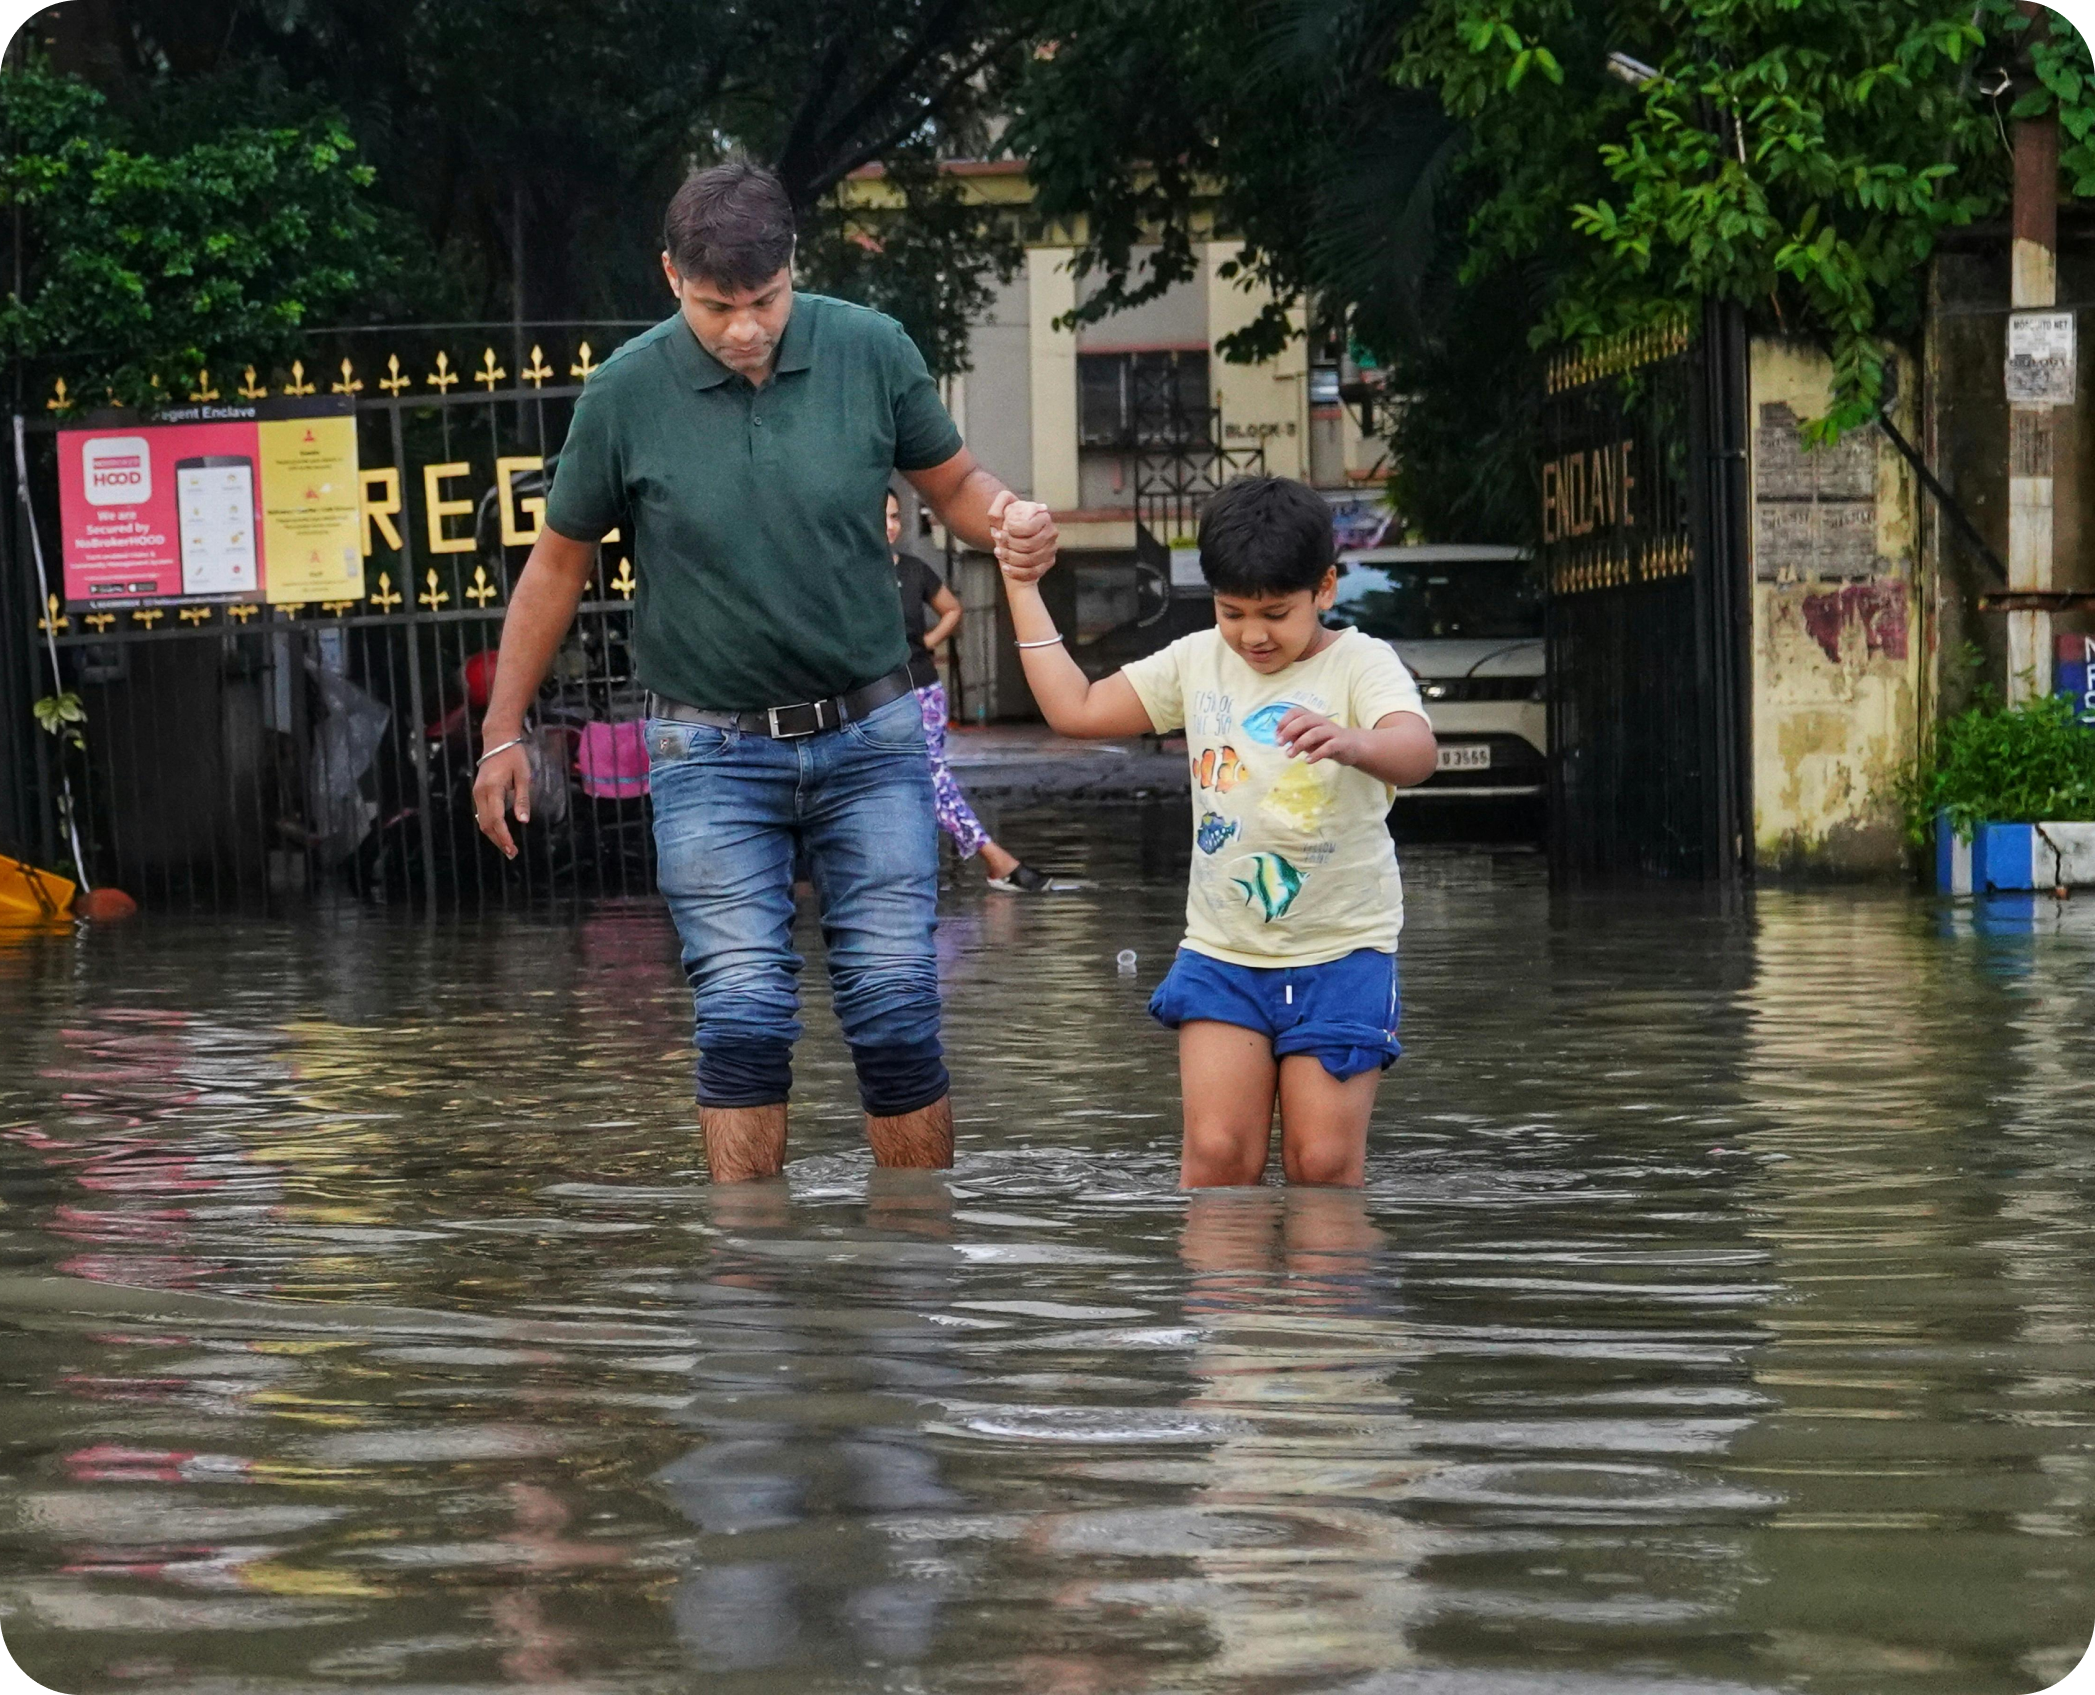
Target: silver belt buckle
x,y
779,734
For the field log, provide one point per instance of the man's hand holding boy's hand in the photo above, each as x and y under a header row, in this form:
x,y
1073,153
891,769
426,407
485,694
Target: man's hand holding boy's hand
x,y
1310,736
1025,537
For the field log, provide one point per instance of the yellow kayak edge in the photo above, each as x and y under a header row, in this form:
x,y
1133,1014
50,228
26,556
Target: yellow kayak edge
x,y
27,892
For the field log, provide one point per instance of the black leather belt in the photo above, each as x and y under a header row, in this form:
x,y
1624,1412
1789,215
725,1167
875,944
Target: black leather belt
x,y
789,723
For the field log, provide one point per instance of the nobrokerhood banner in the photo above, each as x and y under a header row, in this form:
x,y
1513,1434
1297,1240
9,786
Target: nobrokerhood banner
x,y
212,502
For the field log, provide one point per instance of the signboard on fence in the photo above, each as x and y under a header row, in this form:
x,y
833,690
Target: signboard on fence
x,y
255,501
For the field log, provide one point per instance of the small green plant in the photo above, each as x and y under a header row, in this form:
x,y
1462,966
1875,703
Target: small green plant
x,y
61,715
2027,764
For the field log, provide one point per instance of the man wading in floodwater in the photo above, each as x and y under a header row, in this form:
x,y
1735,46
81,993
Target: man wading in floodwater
x,y
748,441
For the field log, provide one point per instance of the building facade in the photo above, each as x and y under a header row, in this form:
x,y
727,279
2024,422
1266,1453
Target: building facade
x,y
1122,427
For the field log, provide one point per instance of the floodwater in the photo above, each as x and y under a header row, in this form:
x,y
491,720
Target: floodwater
x,y
1719,1316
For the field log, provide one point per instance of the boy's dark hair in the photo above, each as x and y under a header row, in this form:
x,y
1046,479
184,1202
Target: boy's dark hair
x,y
731,224
1264,536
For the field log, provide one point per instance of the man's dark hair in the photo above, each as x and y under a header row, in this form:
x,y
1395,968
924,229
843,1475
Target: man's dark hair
x,y
1264,536
731,224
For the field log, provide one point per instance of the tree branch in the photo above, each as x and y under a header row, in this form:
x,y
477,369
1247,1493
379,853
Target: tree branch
x,y
932,38
900,132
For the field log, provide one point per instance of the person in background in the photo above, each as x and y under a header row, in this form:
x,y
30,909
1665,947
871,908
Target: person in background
x,y
922,590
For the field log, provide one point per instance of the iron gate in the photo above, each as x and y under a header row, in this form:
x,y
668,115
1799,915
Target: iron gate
x,y
1643,509
238,751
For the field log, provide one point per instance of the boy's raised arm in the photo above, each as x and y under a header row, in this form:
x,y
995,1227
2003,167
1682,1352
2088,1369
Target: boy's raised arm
x,y
1071,702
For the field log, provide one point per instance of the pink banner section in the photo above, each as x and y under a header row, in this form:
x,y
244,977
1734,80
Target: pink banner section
x,y
184,507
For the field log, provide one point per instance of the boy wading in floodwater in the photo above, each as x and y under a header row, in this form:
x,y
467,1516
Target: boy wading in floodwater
x,y
1286,985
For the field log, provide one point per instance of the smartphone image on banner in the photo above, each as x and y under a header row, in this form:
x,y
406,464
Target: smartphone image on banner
x,y
216,502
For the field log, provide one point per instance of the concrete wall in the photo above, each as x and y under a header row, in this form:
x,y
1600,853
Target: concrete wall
x,y
1051,291
1267,403
1839,632
1176,318
999,389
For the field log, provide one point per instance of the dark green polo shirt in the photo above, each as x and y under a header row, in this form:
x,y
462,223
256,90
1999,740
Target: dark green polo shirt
x,y
759,531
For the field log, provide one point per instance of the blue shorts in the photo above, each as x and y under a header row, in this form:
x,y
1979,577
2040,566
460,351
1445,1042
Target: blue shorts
x,y
1342,1013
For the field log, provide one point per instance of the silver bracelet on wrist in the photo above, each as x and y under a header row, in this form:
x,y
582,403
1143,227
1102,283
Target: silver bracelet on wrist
x,y
1051,641
499,747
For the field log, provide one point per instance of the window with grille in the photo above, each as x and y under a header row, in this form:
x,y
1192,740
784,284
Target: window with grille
x,y
1143,400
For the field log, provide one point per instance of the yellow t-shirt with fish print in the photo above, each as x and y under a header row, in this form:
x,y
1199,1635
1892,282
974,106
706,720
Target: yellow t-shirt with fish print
x,y
1292,862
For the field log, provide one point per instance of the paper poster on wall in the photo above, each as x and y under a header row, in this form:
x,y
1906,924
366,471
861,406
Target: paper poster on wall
x,y
212,501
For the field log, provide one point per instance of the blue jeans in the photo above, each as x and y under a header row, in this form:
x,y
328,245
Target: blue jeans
x,y
731,813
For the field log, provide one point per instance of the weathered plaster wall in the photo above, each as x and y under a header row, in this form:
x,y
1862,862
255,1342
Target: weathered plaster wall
x,y
1837,648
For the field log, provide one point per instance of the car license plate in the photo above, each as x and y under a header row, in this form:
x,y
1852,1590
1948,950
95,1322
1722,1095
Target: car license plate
x,y
1465,756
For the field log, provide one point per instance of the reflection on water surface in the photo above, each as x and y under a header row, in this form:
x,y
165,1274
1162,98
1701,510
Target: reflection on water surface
x,y
1719,1316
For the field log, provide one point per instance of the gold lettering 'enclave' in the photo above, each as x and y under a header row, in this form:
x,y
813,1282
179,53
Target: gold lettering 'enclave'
x,y
1589,490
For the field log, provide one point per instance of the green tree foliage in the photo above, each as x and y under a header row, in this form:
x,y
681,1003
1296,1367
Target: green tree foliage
x,y
2062,80
1162,122
532,144
138,264
1463,183
1798,157
1279,128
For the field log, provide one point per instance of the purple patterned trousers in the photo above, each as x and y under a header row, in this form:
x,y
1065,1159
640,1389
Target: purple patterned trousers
x,y
955,816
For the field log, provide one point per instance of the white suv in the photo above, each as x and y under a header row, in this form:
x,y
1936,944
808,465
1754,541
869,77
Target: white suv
x,y
1467,621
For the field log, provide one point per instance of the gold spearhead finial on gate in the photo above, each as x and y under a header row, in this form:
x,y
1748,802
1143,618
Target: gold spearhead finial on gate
x,y
432,597
99,621
489,372
242,612
53,619
298,384
148,615
336,607
481,591
385,600
623,582
443,376
290,608
539,370
394,382
194,615
250,389
583,366
350,383
59,400
203,389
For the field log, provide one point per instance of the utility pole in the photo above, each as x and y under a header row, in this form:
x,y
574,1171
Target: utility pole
x,y
2032,341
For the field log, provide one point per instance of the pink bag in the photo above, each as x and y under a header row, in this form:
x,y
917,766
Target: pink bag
x,y
612,760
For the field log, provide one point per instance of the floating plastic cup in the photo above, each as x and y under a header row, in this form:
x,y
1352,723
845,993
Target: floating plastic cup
x,y
1125,959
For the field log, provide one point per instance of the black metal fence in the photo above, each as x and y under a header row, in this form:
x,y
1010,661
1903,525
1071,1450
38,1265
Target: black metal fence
x,y
1172,483
236,753
1644,547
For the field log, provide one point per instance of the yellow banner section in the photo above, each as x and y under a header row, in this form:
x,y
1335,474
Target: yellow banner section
x,y
311,519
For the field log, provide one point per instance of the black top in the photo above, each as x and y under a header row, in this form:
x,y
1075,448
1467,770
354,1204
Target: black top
x,y
918,582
